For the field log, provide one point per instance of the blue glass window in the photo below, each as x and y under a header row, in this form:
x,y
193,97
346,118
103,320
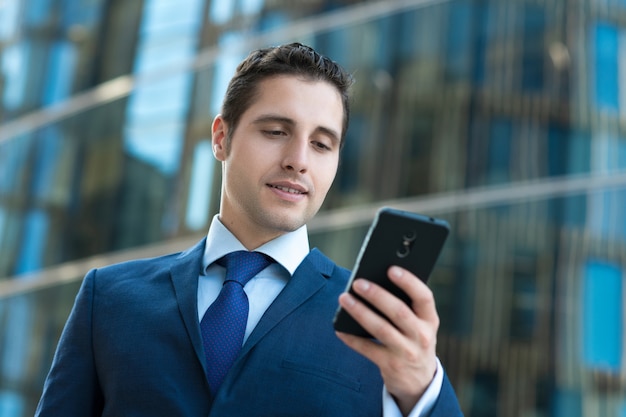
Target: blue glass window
x,y
200,186
11,403
600,212
46,163
606,215
524,303
558,155
623,4
85,12
221,11
37,12
574,210
224,69
499,151
61,72
157,110
577,162
602,311
9,22
533,48
272,19
14,155
481,43
579,149
13,66
3,223
568,403
459,42
31,253
605,63
251,7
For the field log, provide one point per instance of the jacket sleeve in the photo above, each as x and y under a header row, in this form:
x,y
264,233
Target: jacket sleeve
x,y
447,404
71,388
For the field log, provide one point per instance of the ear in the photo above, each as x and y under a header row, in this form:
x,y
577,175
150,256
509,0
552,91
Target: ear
x,y
219,132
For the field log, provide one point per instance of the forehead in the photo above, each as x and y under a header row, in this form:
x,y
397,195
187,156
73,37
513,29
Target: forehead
x,y
298,98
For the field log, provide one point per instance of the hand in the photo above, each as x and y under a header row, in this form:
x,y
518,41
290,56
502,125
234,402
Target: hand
x,y
405,350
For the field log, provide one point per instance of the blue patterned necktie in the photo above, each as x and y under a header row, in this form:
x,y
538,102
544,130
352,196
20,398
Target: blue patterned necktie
x,y
224,323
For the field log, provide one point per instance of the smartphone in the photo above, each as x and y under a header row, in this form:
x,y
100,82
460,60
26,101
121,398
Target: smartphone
x,y
395,237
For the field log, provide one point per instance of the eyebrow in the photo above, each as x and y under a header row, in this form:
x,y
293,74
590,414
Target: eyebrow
x,y
265,118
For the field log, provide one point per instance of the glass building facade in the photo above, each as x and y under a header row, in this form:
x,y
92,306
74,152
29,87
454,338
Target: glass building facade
x,y
507,118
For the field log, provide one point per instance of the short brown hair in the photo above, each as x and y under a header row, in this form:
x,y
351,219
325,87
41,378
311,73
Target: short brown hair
x,y
290,59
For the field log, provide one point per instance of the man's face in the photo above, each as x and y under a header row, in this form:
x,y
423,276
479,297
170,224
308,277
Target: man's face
x,y
282,159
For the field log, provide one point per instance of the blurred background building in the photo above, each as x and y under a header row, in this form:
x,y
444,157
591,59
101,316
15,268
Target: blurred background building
x,y
507,118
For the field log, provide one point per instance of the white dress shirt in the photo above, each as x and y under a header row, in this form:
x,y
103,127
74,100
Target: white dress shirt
x,y
288,251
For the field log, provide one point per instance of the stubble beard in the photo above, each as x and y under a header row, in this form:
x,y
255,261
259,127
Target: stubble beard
x,y
280,222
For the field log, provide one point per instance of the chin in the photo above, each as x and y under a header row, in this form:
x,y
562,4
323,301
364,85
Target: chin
x,y
285,222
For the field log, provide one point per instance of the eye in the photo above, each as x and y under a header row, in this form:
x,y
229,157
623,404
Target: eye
x,y
321,146
273,132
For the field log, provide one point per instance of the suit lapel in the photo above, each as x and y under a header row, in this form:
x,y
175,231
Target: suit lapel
x,y
184,274
310,276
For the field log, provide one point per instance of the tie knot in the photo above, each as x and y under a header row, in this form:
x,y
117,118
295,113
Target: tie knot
x,y
242,265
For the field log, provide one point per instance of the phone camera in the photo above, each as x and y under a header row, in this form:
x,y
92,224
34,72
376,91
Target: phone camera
x,y
403,252
407,241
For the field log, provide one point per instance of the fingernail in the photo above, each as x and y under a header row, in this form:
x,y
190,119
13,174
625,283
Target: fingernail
x,y
362,284
396,272
348,300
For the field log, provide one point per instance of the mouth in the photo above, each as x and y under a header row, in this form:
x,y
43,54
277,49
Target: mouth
x,y
286,189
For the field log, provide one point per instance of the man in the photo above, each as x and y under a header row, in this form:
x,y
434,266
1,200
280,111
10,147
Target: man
x,y
136,342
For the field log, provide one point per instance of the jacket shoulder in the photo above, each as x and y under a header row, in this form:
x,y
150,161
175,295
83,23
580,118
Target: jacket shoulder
x,y
327,266
154,266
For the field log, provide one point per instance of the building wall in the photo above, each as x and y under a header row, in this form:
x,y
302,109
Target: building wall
x,y
505,117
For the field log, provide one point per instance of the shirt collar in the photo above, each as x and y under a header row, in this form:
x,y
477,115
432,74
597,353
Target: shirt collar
x,y
288,250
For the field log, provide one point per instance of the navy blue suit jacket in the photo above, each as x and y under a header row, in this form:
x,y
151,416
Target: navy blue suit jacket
x,y
132,347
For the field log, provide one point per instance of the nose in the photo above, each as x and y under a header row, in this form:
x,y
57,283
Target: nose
x,y
296,155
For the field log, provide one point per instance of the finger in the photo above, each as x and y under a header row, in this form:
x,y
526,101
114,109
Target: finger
x,y
366,347
422,298
379,327
396,311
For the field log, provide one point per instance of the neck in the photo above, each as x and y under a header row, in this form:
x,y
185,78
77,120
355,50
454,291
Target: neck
x,y
250,237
